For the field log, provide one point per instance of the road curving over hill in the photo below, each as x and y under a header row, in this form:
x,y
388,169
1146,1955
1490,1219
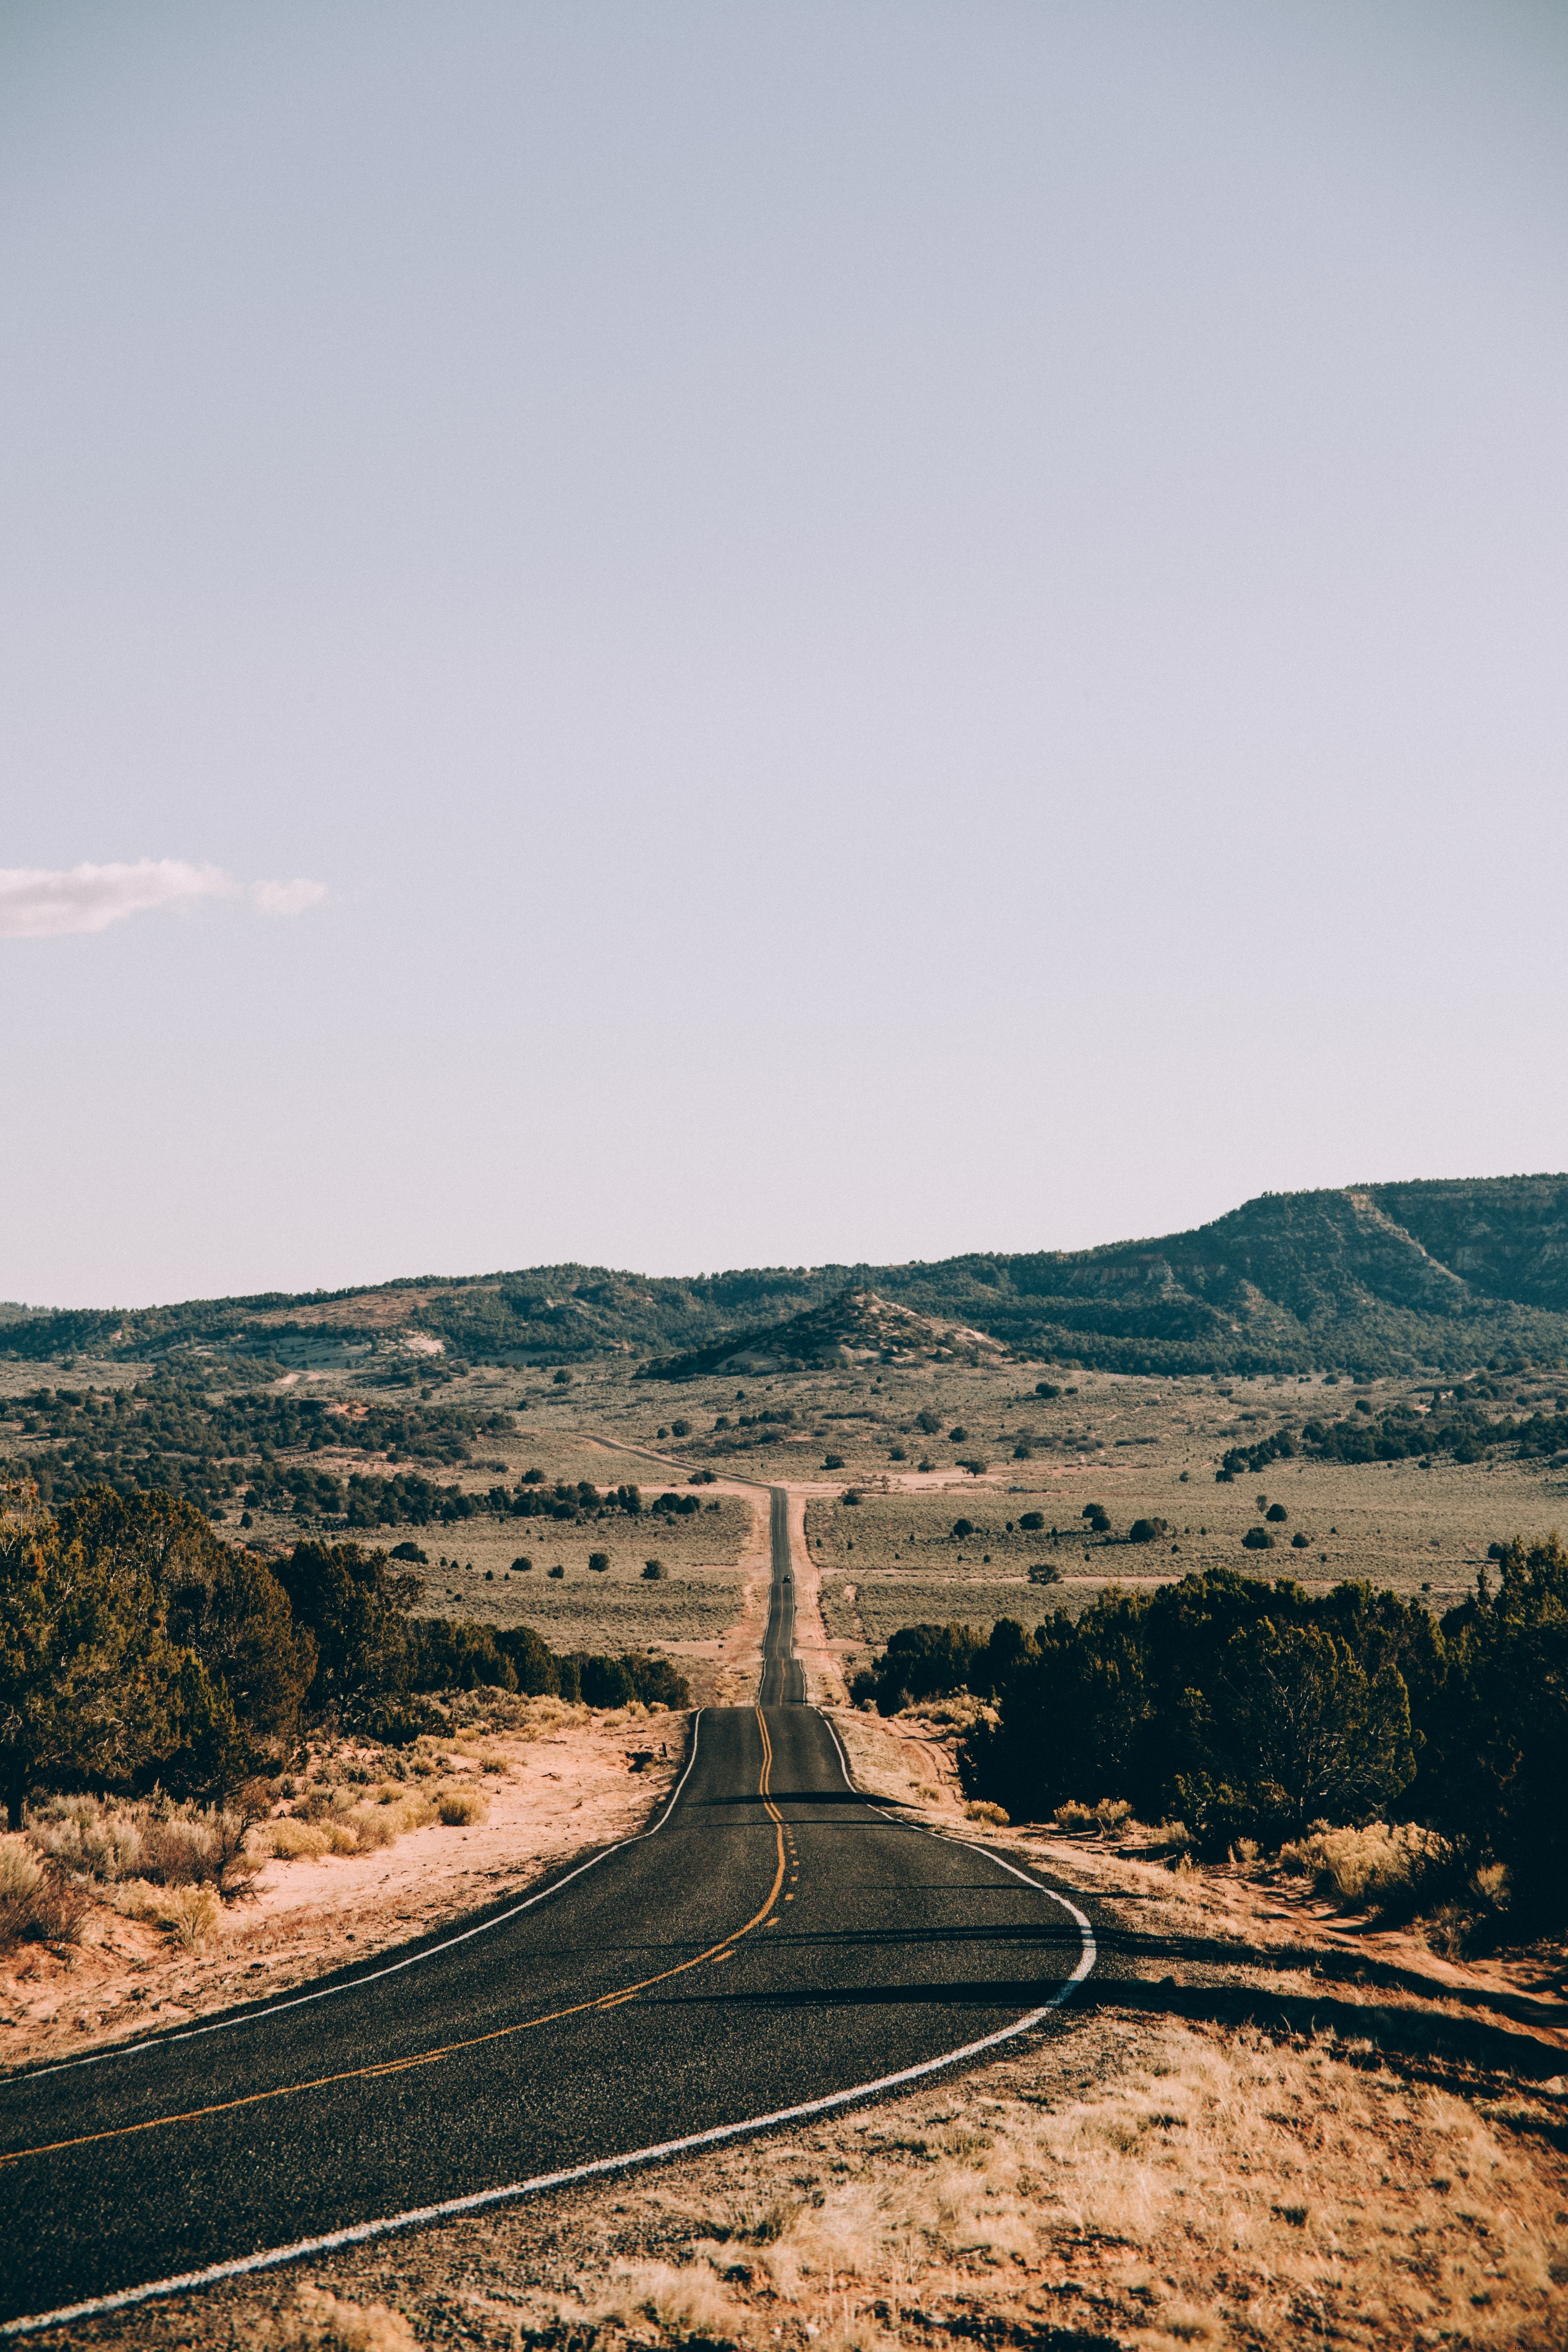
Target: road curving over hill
x,y
774,1944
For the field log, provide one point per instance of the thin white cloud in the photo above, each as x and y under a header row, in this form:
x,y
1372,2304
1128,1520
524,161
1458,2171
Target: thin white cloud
x,y
36,903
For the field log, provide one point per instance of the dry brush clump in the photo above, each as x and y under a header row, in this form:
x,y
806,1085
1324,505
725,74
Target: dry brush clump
x,y
149,1839
39,1903
1377,1864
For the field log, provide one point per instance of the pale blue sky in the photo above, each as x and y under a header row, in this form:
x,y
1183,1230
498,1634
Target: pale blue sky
x,y
889,628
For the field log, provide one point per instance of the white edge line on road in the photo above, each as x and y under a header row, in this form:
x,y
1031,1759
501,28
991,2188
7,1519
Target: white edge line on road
x,y
361,2232
356,1984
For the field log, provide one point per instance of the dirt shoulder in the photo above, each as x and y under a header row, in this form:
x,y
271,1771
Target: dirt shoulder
x,y
556,1782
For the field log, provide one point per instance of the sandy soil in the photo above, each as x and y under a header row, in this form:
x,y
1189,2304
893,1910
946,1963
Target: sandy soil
x,y
565,1786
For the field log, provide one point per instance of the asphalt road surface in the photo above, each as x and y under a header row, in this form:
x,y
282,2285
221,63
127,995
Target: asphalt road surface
x,y
775,1939
783,1680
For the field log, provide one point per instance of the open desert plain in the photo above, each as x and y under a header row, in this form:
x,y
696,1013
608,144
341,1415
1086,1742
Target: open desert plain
x,y
655,1959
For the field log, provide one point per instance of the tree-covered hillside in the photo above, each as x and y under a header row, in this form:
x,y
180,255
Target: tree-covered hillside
x,y
1380,1277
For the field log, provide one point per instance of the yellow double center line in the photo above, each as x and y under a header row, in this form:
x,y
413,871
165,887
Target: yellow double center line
x,y
452,2049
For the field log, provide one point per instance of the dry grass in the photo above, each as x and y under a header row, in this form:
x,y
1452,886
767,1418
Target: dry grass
x,y
318,2321
1222,2191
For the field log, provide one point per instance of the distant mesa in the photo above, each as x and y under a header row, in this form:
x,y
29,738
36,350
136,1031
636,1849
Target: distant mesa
x,y
1370,1278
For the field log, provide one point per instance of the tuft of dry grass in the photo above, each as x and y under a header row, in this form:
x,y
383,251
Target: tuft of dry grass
x,y
321,2321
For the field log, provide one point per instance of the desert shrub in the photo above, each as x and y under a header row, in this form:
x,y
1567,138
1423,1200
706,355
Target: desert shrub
x,y
832,1460
1143,1532
599,1562
1106,1819
31,1897
151,1840
1277,1515
190,1913
394,1723
981,1809
1099,1518
1257,1539
653,1569
459,1807
1377,1864
1074,1817
1032,1522
656,1681
291,1840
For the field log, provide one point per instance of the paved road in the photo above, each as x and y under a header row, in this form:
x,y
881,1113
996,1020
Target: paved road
x,y
774,1939
783,1680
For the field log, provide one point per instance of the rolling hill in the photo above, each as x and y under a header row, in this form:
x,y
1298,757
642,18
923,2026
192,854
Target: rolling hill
x,y
1375,1277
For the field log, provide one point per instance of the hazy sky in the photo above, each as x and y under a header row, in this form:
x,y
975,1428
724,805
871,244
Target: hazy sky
x,y
685,636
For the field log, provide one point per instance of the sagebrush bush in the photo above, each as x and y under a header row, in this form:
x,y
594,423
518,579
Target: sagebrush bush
x,y
190,1913
1364,1866
167,1845
458,1807
38,1903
